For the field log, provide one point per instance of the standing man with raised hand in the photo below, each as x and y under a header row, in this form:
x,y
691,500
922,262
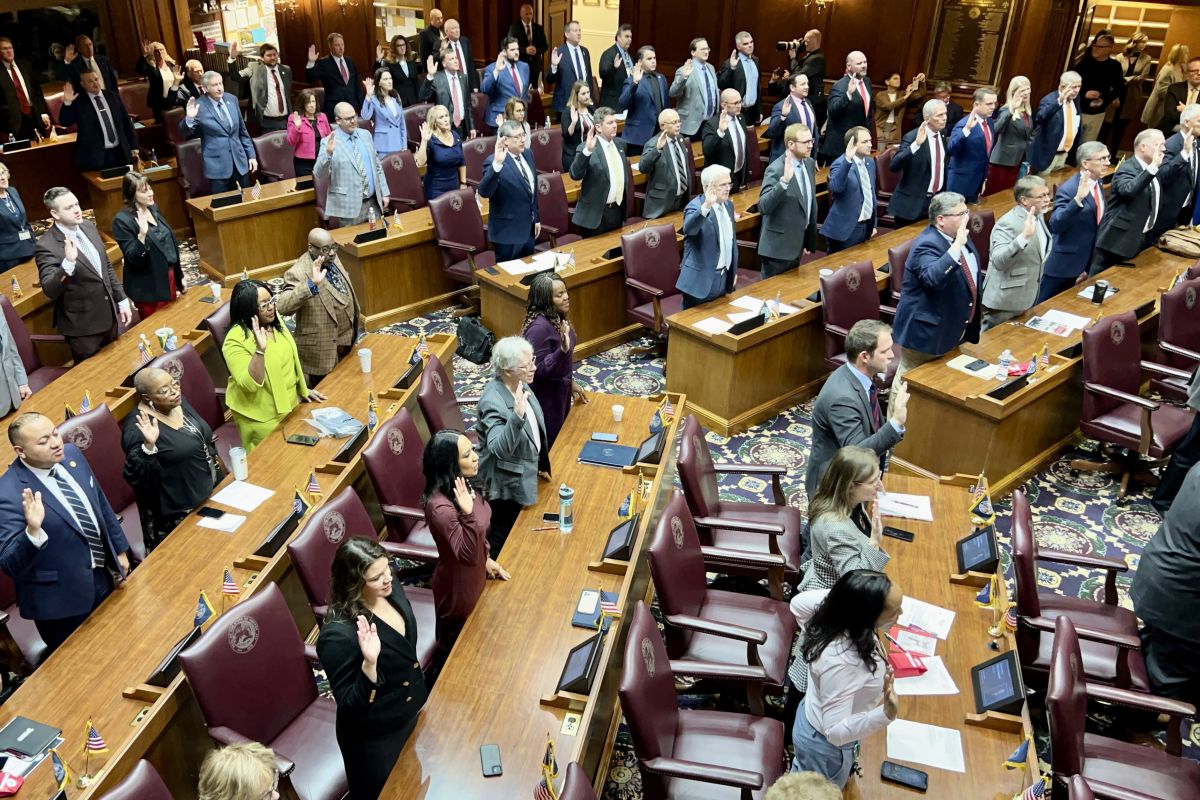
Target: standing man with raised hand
x,y
1056,126
432,37
357,185
508,77
1103,82
921,160
644,96
601,169
461,46
667,168
190,87
569,62
228,153
724,139
1020,243
510,183
971,147
695,89
531,39
270,85
82,57
105,136
1179,195
851,104
852,215
788,203
23,110
708,269
787,112
741,73
336,72
449,87
615,66
1078,209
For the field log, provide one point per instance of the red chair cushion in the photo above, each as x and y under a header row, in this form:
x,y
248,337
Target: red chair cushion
x,y
1123,426
1099,660
320,773
671,304
789,543
761,613
1133,766
741,741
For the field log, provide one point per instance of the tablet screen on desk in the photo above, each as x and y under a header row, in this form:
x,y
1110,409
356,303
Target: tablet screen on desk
x,y
977,552
997,684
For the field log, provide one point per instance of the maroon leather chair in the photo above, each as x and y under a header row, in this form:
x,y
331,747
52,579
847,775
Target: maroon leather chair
x,y
1114,414
631,199
197,386
475,152
21,646
321,189
275,157
458,227
142,783
756,527
439,405
535,112
704,624
218,323
897,256
39,375
555,214
252,682
754,164
676,748
848,296
546,144
191,169
313,549
54,104
1111,651
479,107
171,119
651,264
886,182
133,97
406,190
393,462
1080,789
367,125
576,784
982,221
413,117
1100,760
98,436
1178,337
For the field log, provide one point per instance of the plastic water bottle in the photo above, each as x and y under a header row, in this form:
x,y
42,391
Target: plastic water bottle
x,y
547,121
371,218
1002,368
566,508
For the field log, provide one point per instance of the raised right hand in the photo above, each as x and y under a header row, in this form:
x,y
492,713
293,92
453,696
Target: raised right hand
x,y
69,54
662,141
463,495
431,66
369,85
330,143
788,169
617,61
922,134
898,405
723,123
312,53
591,139
891,703
1085,187
501,151
368,640
233,50
147,425
521,400
1027,231
688,66
555,56
146,49
69,93
638,72
318,271
35,512
296,119
378,52
960,238
425,131
192,108
787,107
260,335
70,251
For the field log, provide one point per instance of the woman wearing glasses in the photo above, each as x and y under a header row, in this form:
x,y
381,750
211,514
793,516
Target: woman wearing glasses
x,y
266,380
243,771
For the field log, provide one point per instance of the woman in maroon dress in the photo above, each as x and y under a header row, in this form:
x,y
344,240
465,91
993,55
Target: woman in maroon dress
x,y
553,339
458,520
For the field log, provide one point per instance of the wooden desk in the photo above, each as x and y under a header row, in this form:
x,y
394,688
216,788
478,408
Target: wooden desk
x,y
106,200
513,647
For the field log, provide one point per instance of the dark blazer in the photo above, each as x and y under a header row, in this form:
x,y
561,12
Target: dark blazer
x,y
517,31
698,274
612,79
508,461
842,417
718,149
84,303
513,204
777,127
1176,94
1012,138
56,580
468,61
968,158
845,113
592,174
554,379
154,91
846,199
186,91
89,143
429,43
787,226
643,101
407,85
662,178
954,112
1072,232
935,309
13,224
1129,205
735,78
1048,122
564,77
812,64
571,142
10,108
100,64
436,89
461,570
147,264
1165,584
326,72
1179,194
910,199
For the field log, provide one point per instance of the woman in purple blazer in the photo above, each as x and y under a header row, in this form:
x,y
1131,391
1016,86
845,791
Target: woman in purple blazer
x,y
553,339
382,104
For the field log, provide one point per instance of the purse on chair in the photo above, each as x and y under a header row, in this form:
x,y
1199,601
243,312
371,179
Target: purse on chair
x,y
474,340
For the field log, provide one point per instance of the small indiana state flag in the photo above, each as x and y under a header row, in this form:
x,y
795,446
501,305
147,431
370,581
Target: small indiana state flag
x,y
1035,792
62,774
299,504
626,509
86,403
68,412
656,422
415,358
313,488
1016,759
982,513
984,598
372,413
95,742
16,288
204,610
1033,364
229,585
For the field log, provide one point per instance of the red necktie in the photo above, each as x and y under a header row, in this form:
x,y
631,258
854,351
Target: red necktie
x,y
936,166
862,90
279,92
22,100
345,72
452,79
966,271
516,78
987,137
1097,200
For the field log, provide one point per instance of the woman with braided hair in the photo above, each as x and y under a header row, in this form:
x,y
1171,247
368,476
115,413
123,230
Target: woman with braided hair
x,y
553,339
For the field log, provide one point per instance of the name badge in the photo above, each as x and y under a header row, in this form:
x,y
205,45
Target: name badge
x,y
25,236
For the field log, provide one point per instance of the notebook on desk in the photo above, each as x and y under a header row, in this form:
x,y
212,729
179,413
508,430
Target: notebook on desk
x,y
603,454
25,737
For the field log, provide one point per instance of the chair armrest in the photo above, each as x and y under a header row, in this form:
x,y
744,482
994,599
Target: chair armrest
x,y
468,400
47,338
743,558
406,201
706,773
634,283
1124,397
1110,792
466,248
721,672
726,630
219,391
310,652
1175,349
887,311
769,528
228,736
3,619
751,469
1079,560
402,550
550,229
837,330
1122,640
404,512
1164,371
1146,702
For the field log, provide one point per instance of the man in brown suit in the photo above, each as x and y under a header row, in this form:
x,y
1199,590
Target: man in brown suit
x,y
318,291
74,272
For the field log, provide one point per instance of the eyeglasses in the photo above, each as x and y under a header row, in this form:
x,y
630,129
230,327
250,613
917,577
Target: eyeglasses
x,y
265,304
269,794
165,390
958,214
330,248
346,119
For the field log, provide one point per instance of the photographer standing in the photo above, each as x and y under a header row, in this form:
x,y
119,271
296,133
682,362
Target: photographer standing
x,y
809,59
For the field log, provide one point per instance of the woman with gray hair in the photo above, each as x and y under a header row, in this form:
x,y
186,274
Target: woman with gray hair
x,y
513,445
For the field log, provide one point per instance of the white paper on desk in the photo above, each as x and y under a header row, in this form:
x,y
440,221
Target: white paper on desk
x,y
934,680
1073,321
925,744
933,619
987,371
748,302
742,316
713,325
634,167
518,267
909,506
1086,293
242,495
226,523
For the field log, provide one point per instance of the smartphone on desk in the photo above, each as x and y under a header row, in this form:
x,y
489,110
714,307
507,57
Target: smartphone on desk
x,y
604,437
302,438
489,757
550,517
905,776
210,512
896,533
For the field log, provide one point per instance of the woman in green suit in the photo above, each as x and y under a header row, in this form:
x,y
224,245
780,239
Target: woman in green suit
x,y
265,378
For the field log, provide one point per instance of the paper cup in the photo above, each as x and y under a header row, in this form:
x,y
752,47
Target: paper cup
x,y
364,358
163,334
825,273
618,412
215,288
237,458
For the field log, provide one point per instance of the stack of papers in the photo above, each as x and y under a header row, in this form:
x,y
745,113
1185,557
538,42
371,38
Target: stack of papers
x,y
334,422
227,523
909,506
242,495
926,616
550,259
713,325
752,303
934,680
1060,323
925,744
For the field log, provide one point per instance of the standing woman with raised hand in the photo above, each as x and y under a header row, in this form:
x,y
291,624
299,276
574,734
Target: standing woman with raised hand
x,y
307,126
441,153
382,104
576,122
153,275
553,339
16,237
1014,130
163,77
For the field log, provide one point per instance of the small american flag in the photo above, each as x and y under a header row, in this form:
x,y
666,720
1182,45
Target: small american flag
x,y
422,347
1035,792
1010,618
541,792
668,409
313,487
144,356
95,743
1045,358
229,585
372,413
16,288
610,608
86,403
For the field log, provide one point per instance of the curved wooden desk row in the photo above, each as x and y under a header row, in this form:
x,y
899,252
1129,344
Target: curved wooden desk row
x,y
97,673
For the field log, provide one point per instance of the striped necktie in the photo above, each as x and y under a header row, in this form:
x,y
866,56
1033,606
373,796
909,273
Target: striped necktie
x,y
90,532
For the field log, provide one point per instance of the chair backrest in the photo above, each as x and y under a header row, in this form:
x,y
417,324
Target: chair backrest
x,y
171,119
321,189
535,112
1024,548
1066,699
184,364
982,221
552,202
1078,789
475,151
54,104
897,256
435,396
312,551
367,125
413,117
98,436
630,195
648,691
393,459
20,334
142,783
456,218
1179,322
650,255
133,97
754,165
847,296
248,671
479,107
696,471
1112,350
405,187
190,164
886,181
319,94
547,149
276,154
218,323
677,566
576,784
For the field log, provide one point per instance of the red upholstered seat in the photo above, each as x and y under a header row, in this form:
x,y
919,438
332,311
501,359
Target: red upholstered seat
x,y
982,221
197,386
404,182
171,119
275,157
553,209
133,97
413,117
475,152
651,263
479,107
754,164
39,375
458,227
393,462
142,783
24,648
54,104
321,189
897,256
191,169
848,296
1178,337
546,144
576,784
218,323
439,405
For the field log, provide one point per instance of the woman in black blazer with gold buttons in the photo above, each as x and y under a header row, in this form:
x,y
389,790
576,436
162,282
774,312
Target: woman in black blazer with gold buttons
x,y
368,647
16,237
153,275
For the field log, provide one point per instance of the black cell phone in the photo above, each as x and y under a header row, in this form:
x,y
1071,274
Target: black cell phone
x,y
977,365
209,511
905,776
301,438
896,533
489,756
604,437
491,270
550,516
209,299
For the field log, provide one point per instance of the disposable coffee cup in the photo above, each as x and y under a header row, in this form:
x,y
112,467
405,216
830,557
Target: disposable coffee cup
x,y
163,334
1099,291
825,273
618,412
364,358
215,288
237,457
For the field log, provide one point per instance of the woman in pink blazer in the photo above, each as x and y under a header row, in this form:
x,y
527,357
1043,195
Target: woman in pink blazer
x,y
305,129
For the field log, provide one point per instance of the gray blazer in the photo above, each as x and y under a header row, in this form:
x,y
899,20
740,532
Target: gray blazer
x,y
1012,139
592,174
258,75
1014,271
12,371
508,460
1166,583
841,417
345,180
688,92
787,225
662,179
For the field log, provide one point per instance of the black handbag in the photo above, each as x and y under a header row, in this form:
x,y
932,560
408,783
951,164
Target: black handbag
x,y
474,340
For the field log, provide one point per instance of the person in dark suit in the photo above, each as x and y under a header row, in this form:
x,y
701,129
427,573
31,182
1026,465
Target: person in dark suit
x,y
939,298
921,160
60,541
852,216
16,237
548,329
368,647
1179,195
788,204
228,153
1074,221
77,277
1056,126
337,73
459,44
190,87
793,108
741,73
1013,128
723,139
708,269
667,168
449,87
531,38
510,183
82,57
643,96
1178,96
269,83
616,66
847,410
578,118
507,78
810,60
406,77
970,147
23,112
851,103
153,275
432,38
601,169
569,62
954,112
105,137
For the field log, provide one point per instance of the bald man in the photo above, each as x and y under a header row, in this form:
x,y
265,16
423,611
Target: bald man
x,y
190,86
430,40
531,39
724,138
667,166
851,104
318,291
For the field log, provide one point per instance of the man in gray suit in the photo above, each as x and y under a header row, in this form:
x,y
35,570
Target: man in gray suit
x,y
695,89
357,185
600,168
847,410
666,167
788,204
1019,246
270,86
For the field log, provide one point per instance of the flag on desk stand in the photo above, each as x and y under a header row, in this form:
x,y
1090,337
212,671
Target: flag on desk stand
x,y
372,413
256,191
245,274
229,585
546,790
1033,364
987,594
1035,792
68,412
1045,357
95,742
300,506
982,513
422,347
1017,758
415,357
204,610
144,355
62,773
16,288
1010,618
85,404
313,488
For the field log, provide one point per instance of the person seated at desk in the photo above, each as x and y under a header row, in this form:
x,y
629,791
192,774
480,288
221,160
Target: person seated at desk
x,y
243,771
441,153
510,184
600,169
513,446
153,275
724,139
1078,209
1020,243
505,81
576,122
171,458
851,217
16,237
368,647
667,168
55,520
357,185
549,331
266,378
228,153
710,254
458,520
383,105
788,207
306,128
106,137
163,77
850,692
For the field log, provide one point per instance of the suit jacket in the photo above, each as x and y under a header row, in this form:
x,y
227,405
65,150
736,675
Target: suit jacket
x,y
612,79
508,460
690,100
283,379
565,76
304,139
1014,271
718,149
146,265
935,309
317,316
1073,229
84,301
391,131
436,89
16,237
467,63
1165,584
1178,195
345,179
55,581
258,77
1012,138
407,84
1167,75
89,143
735,78
842,417
517,31
662,178
99,64
643,101
1176,94
845,113
592,173
155,99
1048,125
326,72
186,91
788,226
513,203
429,43
500,88
1129,205
910,200
969,155
846,199
12,369
777,127
10,108
225,146
698,275
812,64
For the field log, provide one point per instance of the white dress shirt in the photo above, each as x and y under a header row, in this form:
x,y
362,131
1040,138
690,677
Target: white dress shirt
x,y
724,234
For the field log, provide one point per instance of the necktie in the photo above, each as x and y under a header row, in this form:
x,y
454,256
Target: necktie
x,y
223,114
456,96
936,166
616,171
1191,97
577,58
279,92
1192,185
735,128
87,250
862,91
1153,205
987,137
110,134
1098,200
802,185
680,166
90,532
528,35
864,181
334,276
520,162
626,60
1069,125
22,99
966,271
710,100
876,411
91,65
724,258
345,72
516,78
361,166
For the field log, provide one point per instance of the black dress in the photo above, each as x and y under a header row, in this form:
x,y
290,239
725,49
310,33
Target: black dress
x,y
405,84
374,720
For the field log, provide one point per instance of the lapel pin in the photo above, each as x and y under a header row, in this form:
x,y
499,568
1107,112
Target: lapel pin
x,y
72,463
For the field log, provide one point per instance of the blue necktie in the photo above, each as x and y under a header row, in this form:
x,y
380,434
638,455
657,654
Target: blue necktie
x,y
710,105
90,532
